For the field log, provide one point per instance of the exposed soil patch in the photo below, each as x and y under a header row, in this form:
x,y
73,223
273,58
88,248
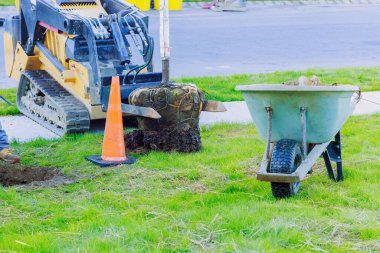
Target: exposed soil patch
x,y
177,129
169,140
16,174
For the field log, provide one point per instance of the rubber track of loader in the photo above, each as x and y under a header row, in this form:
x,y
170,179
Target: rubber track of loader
x,y
75,113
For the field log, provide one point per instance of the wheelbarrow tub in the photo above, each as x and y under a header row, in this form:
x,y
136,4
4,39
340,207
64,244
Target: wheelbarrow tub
x,y
327,109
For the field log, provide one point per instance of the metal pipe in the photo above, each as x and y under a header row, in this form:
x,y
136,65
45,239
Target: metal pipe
x,y
165,71
269,132
56,63
303,118
164,40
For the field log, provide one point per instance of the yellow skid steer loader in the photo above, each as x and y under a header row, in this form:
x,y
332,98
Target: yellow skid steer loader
x,y
64,53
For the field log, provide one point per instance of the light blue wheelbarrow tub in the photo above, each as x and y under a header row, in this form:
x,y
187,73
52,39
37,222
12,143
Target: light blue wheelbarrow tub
x,y
327,109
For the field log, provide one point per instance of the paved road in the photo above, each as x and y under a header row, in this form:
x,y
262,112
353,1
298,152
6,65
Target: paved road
x,y
205,43
278,38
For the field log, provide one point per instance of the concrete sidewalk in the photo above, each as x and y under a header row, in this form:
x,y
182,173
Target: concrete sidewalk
x,y
23,129
237,112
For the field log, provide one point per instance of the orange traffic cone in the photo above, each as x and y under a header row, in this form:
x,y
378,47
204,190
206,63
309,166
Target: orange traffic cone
x,y
113,152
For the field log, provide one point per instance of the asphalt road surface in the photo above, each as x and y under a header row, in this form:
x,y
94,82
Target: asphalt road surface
x,y
263,39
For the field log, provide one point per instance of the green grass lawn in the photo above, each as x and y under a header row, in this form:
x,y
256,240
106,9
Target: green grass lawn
x,y
207,201
222,88
7,2
5,109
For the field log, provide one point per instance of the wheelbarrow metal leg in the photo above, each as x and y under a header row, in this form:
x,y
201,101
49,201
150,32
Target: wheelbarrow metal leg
x,y
339,162
269,132
304,144
334,153
266,158
329,167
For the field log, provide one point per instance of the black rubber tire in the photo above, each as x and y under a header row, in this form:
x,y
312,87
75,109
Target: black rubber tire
x,y
286,157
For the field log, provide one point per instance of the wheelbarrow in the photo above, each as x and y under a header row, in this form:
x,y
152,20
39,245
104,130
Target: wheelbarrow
x,y
300,124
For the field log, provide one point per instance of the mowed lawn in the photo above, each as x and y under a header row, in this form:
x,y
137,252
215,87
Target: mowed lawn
x,y
222,88
5,108
207,201
7,2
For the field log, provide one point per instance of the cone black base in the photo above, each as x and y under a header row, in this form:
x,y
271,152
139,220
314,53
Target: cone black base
x,y
95,159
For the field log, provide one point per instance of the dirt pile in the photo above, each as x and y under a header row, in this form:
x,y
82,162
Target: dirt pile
x,y
140,141
16,174
178,127
304,81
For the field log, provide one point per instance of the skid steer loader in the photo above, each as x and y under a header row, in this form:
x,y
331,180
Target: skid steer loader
x,y
64,53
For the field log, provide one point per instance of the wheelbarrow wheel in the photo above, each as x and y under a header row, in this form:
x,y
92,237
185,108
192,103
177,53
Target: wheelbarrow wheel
x,y
286,157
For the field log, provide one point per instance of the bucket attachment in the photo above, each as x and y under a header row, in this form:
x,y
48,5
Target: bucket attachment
x,y
140,111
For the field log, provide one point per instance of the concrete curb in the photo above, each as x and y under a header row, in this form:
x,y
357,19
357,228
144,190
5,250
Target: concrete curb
x,y
293,3
5,10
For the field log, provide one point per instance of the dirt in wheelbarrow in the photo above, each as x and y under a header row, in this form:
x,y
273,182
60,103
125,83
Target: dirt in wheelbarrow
x,y
17,174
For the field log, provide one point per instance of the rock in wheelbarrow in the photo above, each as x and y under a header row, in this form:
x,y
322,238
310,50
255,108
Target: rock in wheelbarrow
x,y
178,128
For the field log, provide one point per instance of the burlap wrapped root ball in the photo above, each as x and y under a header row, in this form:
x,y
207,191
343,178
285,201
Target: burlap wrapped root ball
x,y
180,106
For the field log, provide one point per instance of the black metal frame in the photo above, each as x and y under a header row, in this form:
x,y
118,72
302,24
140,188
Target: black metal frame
x,y
333,153
330,151
143,80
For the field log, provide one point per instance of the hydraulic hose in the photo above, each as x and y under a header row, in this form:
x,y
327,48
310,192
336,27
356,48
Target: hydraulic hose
x,y
151,49
139,68
6,101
